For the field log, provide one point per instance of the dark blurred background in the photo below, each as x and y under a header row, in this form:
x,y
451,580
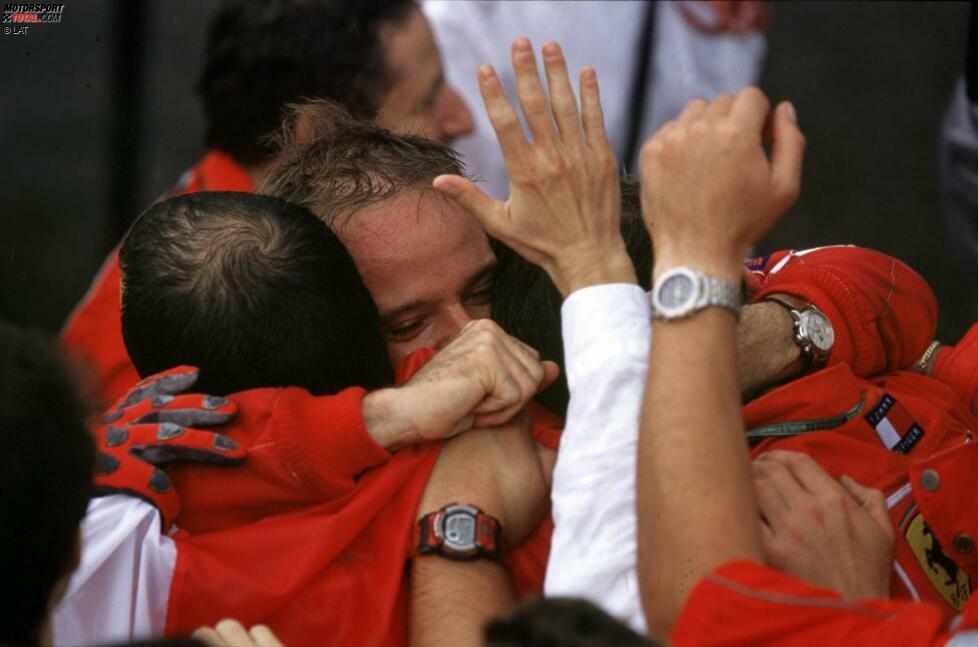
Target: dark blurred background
x,y
99,117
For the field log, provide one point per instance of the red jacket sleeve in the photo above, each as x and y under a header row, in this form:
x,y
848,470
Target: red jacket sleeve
x,y
884,314
743,603
302,449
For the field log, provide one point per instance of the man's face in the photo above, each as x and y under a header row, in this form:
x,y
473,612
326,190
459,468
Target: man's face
x,y
427,264
420,102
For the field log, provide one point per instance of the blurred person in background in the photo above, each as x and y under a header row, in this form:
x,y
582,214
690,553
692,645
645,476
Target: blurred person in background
x,y
376,57
958,156
652,58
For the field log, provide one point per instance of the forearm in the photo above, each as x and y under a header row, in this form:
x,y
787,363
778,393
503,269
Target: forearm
x,y
474,592
695,476
766,350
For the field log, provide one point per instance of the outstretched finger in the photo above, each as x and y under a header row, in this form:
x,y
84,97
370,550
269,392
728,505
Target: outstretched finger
x,y
530,91
471,198
592,117
787,153
562,100
502,116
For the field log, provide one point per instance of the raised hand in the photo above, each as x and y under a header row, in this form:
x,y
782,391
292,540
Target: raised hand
x,y
155,424
564,206
709,190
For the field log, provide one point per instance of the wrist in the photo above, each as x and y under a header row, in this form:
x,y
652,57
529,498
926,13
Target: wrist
x,y
575,271
388,421
726,264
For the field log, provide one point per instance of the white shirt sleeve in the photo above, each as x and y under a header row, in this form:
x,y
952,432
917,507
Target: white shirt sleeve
x,y
120,591
593,555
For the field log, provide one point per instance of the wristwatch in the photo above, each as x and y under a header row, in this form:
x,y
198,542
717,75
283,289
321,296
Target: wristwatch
x,y
683,291
460,532
813,330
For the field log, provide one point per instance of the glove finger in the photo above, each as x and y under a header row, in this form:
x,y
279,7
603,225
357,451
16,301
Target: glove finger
x,y
168,382
167,442
135,478
188,410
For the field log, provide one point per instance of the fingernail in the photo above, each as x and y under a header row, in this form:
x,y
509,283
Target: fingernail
x,y
522,43
589,75
486,72
550,48
789,111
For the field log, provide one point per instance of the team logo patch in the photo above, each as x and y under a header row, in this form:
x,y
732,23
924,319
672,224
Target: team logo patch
x,y
896,429
950,581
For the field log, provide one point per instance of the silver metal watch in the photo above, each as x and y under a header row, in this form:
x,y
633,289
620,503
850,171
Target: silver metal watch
x,y
814,333
683,291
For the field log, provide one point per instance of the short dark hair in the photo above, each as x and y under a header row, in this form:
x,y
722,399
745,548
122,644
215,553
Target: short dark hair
x,y
255,291
526,303
561,622
263,54
335,165
46,469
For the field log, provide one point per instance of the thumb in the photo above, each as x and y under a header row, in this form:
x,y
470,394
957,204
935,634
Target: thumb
x,y
787,152
471,198
551,371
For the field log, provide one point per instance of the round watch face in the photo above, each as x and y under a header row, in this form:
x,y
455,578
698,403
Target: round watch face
x,y
459,530
676,292
818,329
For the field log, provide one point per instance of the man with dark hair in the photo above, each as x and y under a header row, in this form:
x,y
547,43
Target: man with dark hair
x,y
376,57
253,289
46,480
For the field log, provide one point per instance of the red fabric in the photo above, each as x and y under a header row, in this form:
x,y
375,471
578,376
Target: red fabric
x,y
958,367
93,332
743,603
936,573
319,555
884,314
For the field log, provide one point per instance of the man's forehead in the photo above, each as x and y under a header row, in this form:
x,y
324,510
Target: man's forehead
x,y
416,246
420,214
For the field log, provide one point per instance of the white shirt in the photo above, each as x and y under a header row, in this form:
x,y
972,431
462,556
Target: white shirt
x,y
686,63
593,554
121,588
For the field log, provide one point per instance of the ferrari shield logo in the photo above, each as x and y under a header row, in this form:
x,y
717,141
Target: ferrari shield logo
x,y
949,580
